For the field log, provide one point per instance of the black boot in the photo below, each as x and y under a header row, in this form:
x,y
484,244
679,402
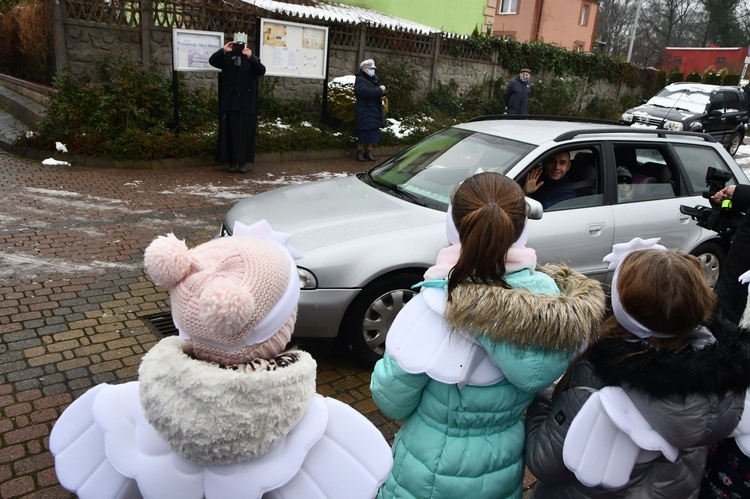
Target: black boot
x,y
243,168
232,167
361,156
369,156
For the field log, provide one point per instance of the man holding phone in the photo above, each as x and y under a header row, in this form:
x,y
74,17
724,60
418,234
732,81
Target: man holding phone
x,y
238,102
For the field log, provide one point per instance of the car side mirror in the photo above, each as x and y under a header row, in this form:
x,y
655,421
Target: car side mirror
x,y
715,113
534,210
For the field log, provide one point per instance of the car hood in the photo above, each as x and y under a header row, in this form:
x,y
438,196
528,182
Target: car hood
x,y
672,114
327,212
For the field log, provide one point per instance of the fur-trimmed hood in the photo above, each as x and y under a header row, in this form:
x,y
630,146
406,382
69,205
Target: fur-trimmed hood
x,y
713,370
212,415
521,317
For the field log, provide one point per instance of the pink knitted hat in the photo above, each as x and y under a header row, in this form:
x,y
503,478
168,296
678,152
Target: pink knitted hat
x,y
234,299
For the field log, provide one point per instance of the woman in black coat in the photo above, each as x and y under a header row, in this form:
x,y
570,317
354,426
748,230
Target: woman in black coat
x,y
238,104
369,114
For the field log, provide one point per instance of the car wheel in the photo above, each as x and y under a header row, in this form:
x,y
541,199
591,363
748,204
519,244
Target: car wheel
x,y
712,256
367,320
735,143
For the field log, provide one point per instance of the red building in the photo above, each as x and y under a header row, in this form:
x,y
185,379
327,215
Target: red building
x,y
689,59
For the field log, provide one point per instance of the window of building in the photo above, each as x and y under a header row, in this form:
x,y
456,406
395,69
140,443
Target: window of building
x,y
584,19
577,46
677,59
721,61
508,7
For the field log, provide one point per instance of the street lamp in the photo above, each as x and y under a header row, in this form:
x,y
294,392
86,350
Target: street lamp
x,y
635,28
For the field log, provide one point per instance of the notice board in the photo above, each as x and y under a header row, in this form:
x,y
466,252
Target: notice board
x,y
191,49
293,49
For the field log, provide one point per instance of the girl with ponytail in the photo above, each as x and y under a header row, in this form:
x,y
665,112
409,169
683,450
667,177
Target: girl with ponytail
x,y
465,356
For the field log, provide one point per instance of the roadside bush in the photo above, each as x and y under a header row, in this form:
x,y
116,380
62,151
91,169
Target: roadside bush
x,y
341,100
731,79
675,77
694,77
27,51
126,114
400,83
712,77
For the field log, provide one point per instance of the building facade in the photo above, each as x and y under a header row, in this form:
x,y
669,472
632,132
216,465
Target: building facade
x,y
568,23
689,59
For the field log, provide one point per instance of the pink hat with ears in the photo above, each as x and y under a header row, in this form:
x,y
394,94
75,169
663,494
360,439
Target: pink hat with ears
x,y
234,299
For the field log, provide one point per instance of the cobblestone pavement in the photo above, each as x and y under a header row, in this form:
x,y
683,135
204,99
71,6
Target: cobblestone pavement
x,y
74,293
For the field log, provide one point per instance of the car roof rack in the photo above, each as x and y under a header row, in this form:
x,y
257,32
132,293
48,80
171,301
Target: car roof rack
x,y
542,117
629,130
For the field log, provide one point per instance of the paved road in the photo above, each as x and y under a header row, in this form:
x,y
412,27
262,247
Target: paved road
x,y
74,293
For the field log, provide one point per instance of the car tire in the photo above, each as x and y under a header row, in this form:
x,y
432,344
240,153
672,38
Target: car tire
x,y
735,142
368,318
711,256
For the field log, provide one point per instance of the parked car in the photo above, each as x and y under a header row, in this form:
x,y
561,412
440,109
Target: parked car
x,y
367,238
720,111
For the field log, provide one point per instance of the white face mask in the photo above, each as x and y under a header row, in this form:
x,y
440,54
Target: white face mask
x,y
370,72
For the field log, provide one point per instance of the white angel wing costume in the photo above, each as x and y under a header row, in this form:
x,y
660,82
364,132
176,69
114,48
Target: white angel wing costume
x,y
608,437
105,448
421,341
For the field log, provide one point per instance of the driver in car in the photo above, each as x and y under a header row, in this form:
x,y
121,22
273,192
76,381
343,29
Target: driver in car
x,y
549,183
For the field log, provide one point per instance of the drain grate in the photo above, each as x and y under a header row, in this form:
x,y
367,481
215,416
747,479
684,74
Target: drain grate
x,y
161,324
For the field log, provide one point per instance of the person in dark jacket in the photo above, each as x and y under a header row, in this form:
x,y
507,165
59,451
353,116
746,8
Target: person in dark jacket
x,y
635,414
732,294
238,102
550,183
369,115
517,93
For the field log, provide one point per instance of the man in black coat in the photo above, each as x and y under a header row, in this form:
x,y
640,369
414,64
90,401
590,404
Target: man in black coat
x,y
238,102
517,93
731,293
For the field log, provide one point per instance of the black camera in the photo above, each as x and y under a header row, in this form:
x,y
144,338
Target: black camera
x,y
720,218
237,48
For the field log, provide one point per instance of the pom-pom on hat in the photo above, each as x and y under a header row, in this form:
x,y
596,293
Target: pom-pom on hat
x,y
234,299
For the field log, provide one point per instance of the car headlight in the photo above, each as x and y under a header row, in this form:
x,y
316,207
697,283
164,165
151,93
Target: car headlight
x,y
307,279
627,117
673,125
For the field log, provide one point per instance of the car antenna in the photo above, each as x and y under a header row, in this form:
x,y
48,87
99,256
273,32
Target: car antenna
x,y
664,120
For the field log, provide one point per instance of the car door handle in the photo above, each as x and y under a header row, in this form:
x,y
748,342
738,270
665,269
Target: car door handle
x,y
595,229
684,218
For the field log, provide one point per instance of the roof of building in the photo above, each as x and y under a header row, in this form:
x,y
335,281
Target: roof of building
x,y
330,11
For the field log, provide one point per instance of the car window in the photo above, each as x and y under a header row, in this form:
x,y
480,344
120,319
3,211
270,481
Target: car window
x,y
429,171
644,174
717,102
695,162
690,98
732,102
582,185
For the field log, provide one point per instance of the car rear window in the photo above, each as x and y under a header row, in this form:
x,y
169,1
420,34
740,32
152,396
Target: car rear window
x,y
696,161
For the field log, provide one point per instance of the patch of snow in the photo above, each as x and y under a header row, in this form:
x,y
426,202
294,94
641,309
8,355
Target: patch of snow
x,y
54,162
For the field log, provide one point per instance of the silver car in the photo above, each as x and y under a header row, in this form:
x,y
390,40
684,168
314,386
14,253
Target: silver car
x,y
367,238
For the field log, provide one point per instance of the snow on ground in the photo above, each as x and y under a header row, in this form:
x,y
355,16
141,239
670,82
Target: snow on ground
x,y
743,159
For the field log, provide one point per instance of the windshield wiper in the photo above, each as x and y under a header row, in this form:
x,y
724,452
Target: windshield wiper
x,y
403,193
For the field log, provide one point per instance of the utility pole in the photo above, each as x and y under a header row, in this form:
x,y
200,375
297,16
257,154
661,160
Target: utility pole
x,y
635,28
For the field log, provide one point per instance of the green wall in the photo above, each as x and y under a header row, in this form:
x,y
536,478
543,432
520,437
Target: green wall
x,y
455,16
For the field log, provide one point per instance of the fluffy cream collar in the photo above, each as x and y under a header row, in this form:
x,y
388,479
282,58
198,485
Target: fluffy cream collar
x,y
211,415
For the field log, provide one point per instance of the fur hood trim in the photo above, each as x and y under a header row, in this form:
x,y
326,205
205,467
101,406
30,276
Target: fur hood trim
x,y
211,415
528,319
715,369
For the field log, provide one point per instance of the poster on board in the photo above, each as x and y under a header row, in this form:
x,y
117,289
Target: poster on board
x,y
293,49
191,49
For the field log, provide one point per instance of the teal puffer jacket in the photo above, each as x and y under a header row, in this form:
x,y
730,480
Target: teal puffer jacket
x,y
468,442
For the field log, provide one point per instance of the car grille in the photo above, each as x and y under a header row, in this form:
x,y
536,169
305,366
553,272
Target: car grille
x,y
647,120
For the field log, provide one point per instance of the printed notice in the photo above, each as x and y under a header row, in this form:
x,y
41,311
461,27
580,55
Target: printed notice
x,y
191,49
294,49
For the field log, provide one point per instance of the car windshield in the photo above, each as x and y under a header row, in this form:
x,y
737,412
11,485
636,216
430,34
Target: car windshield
x,y
690,99
427,172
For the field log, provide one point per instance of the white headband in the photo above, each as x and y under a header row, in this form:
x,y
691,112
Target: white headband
x,y
619,252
